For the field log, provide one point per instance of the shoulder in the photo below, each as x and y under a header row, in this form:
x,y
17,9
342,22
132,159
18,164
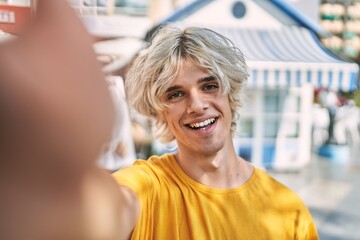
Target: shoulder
x,y
275,190
151,165
283,202
144,173
267,180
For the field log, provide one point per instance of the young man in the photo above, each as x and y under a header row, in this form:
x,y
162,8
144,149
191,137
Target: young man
x,y
190,81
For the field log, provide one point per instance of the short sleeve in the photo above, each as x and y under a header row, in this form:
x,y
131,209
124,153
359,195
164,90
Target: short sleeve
x,y
135,177
305,226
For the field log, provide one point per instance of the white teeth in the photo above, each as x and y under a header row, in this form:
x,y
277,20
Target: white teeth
x,y
202,124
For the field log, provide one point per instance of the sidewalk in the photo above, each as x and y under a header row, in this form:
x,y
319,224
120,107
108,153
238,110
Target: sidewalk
x,y
332,192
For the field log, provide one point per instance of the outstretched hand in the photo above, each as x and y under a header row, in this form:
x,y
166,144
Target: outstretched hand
x,y
55,114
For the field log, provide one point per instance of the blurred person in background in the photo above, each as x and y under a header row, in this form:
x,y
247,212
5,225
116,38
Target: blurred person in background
x,y
119,151
56,113
190,81
329,99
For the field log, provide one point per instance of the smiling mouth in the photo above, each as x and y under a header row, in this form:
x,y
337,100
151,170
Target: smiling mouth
x,y
202,125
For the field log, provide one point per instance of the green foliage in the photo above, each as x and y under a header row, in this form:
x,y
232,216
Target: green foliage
x,y
353,96
357,98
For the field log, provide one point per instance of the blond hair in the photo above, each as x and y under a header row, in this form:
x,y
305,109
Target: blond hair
x,y
157,66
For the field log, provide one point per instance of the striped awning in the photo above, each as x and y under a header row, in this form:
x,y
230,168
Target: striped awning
x,y
291,56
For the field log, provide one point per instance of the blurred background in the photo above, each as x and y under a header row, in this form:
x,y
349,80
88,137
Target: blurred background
x,y
301,118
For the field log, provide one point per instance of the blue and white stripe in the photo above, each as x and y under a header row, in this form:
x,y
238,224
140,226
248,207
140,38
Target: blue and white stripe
x,y
291,56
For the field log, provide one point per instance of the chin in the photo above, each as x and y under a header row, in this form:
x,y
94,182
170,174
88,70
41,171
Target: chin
x,y
210,148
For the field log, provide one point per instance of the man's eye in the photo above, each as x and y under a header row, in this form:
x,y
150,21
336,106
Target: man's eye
x,y
175,95
210,87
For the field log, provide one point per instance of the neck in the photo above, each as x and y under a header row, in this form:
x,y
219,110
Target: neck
x,y
222,169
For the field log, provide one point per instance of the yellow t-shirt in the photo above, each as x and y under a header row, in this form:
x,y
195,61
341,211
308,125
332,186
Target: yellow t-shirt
x,y
174,206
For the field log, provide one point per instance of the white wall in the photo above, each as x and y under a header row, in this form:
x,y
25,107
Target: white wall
x,y
219,13
310,8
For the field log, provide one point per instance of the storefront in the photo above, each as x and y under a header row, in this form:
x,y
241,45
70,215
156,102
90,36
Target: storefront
x,y
286,63
285,66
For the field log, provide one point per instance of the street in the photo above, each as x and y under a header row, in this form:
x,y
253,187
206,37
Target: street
x,y
331,190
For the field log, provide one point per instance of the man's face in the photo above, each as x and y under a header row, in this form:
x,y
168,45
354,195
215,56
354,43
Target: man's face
x,y
197,112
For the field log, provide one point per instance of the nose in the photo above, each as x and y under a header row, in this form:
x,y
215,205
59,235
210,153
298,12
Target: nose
x,y
196,103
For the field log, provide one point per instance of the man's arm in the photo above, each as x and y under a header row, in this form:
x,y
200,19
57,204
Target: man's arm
x,y
130,211
56,113
111,211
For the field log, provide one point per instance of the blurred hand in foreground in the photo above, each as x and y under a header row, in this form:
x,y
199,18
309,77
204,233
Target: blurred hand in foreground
x,y
56,113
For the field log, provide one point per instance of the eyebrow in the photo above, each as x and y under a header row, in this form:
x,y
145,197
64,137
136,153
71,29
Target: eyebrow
x,y
201,80
206,79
